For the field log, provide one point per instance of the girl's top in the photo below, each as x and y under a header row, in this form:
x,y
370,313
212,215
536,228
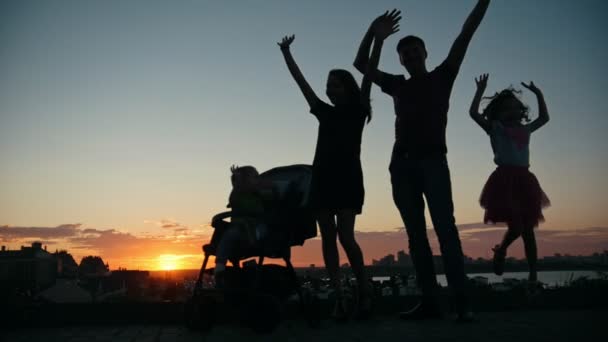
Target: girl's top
x,y
510,144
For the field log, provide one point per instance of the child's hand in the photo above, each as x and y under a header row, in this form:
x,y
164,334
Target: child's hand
x,y
482,82
216,220
386,24
532,87
286,41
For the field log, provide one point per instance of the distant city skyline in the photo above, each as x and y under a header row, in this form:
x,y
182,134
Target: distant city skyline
x,y
131,252
68,266
119,120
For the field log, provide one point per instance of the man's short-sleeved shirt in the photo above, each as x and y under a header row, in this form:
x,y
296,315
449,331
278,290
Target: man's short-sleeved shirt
x,y
421,108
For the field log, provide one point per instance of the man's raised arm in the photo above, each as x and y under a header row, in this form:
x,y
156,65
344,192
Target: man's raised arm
x,y
459,48
362,58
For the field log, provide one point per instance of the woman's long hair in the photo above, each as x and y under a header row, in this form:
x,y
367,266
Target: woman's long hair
x,y
353,92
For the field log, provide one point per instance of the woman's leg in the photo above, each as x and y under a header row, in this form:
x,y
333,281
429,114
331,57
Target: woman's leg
x,y
328,228
327,225
531,251
346,234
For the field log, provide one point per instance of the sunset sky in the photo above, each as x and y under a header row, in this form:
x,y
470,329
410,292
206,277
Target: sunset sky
x,y
119,120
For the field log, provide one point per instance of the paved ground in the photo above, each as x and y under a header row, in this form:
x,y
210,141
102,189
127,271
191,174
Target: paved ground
x,y
513,326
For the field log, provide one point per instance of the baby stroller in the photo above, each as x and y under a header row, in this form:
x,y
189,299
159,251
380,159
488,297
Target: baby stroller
x,y
257,291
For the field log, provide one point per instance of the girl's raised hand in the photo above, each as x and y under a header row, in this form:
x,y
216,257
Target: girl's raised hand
x,y
531,86
482,81
286,41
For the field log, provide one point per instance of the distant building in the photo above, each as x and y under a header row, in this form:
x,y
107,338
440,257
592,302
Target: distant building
x,y
93,266
403,259
66,265
388,260
28,269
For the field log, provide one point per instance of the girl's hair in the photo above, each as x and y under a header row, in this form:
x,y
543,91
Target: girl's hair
x,y
353,92
497,100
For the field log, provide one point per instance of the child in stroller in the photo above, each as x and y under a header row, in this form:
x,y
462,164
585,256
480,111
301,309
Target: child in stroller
x,y
248,199
269,214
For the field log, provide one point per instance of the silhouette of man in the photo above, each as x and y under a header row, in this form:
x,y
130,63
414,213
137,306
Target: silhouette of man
x,y
419,165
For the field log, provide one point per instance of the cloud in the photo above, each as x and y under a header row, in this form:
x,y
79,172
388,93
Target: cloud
x,y
474,226
8,233
116,247
169,224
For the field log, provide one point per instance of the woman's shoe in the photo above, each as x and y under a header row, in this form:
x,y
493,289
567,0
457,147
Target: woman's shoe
x,y
340,312
364,307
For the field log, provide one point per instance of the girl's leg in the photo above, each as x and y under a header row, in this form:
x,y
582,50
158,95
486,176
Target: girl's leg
x,y
514,229
511,235
531,252
327,225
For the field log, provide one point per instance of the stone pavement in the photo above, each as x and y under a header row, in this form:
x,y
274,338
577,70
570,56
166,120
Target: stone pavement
x,y
514,326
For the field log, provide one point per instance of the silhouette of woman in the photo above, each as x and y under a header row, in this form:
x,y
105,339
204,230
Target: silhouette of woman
x,y
337,183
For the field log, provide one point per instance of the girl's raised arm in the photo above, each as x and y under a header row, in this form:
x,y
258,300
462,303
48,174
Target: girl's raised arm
x,y
481,82
543,114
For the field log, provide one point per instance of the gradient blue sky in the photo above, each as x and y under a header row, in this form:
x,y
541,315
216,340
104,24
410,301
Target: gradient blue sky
x,y
119,114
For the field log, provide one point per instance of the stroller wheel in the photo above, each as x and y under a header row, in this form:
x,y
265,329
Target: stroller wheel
x,y
200,313
263,313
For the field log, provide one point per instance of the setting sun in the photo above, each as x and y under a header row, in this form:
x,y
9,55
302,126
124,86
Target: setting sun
x,y
168,262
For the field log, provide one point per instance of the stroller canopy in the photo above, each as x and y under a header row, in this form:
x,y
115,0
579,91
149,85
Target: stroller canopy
x,y
293,185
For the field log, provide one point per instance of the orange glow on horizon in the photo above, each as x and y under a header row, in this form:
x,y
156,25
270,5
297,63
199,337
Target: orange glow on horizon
x,y
169,262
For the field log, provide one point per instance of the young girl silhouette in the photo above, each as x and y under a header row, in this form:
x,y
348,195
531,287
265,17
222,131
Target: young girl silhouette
x,y
512,194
